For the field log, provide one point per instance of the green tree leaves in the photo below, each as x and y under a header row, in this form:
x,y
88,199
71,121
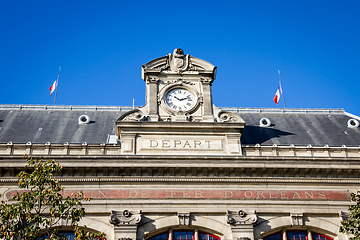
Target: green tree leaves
x,y
351,225
40,205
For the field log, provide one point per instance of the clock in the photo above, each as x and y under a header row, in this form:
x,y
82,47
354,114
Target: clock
x,y
180,99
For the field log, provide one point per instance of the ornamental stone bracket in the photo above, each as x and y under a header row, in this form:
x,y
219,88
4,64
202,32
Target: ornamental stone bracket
x,y
297,219
125,224
184,218
135,115
344,215
225,116
242,224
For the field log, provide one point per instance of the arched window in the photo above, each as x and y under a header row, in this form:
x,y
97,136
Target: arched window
x,y
69,235
297,235
184,235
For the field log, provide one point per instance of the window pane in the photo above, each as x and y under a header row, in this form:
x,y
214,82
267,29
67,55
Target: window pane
x,y
70,236
276,236
317,236
206,236
296,235
183,235
162,236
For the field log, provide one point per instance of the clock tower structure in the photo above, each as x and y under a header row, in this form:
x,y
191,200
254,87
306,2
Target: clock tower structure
x,y
178,88
179,116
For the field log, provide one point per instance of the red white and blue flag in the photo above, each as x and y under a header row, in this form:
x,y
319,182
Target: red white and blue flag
x,y
54,86
278,94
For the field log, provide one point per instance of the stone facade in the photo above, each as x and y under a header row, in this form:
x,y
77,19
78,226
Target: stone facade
x,y
198,169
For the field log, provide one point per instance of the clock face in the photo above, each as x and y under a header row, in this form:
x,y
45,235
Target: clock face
x,y
180,99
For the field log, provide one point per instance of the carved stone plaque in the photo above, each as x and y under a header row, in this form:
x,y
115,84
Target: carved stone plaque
x,y
180,144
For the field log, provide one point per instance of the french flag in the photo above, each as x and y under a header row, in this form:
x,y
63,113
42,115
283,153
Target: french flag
x,y
53,86
278,94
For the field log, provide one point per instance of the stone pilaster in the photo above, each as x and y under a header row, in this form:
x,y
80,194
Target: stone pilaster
x,y
125,224
207,99
152,90
242,224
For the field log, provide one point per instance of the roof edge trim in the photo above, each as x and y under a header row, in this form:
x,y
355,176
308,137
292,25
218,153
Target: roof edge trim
x,y
129,108
352,116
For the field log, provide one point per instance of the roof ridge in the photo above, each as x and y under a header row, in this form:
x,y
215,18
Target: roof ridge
x,y
65,107
286,110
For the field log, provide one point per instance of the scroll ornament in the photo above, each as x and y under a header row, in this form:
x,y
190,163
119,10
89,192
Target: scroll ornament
x,y
225,116
133,116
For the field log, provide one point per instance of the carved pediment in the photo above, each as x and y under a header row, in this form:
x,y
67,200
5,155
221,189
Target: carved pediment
x,y
178,62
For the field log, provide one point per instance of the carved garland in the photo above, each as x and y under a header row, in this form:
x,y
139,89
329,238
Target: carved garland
x,y
179,81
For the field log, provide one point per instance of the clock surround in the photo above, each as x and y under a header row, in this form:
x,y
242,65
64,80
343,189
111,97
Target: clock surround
x,y
179,99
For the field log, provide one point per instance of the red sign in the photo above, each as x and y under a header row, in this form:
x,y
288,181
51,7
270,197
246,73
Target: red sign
x,y
240,194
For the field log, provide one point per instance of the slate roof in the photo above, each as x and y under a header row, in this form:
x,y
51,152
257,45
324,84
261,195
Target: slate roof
x,y
41,124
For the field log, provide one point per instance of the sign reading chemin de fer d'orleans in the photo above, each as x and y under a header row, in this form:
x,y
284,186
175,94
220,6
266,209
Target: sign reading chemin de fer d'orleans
x,y
240,194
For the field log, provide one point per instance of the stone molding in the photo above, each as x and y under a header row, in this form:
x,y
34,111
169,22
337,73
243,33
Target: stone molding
x,y
14,180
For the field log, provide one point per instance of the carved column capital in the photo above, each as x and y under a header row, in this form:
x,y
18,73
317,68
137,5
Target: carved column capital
x,y
241,217
152,79
119,218
206,80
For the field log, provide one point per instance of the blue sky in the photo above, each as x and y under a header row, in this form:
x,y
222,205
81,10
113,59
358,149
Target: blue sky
x,y
101,46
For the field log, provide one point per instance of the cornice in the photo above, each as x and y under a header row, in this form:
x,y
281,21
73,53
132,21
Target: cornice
x,y
200,180
103,150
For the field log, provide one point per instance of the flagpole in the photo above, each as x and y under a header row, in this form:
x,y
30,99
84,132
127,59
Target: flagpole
x,y
57,84
282,92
